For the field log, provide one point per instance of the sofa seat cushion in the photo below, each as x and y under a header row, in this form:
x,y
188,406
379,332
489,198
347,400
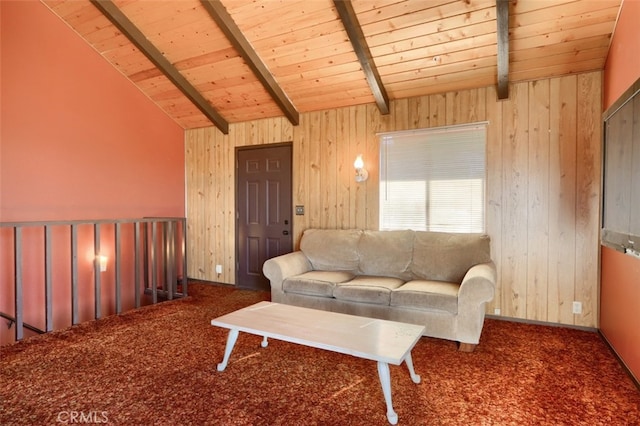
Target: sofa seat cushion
x,y
367,289
316,283
425,294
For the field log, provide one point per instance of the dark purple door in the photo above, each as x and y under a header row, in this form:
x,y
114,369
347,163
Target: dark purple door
x,y
264,210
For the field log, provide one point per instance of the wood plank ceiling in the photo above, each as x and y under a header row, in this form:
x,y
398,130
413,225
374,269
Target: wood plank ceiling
x,y
242,60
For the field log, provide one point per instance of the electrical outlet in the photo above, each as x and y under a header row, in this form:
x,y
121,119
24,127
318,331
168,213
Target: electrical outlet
x,y
218,269
577,307
496,311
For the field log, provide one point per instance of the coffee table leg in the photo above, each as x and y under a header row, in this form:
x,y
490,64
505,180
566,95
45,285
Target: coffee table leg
x,y
385,381
231,342
414,377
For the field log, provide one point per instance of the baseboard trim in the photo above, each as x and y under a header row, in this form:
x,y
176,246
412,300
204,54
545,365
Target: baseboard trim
x,y
215,283
548,324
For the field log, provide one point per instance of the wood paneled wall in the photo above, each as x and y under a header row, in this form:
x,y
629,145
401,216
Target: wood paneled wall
x,y
543,185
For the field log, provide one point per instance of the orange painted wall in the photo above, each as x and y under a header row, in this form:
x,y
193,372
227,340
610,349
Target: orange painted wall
x,y
620,309
622,68
77,141
620,273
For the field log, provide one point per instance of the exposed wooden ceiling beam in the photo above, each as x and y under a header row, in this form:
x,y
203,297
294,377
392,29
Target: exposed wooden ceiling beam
x,y
359,43
136,37
503,48
242,45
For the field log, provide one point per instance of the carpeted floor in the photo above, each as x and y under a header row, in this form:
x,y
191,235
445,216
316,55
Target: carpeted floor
x,y
157,366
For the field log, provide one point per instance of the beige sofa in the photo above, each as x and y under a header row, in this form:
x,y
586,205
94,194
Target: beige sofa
x,y
441,280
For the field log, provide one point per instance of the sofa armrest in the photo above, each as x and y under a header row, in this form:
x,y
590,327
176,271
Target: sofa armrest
x,y
279,268
478,285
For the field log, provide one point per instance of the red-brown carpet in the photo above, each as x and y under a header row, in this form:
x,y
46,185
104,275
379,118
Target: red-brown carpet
x,y
157,366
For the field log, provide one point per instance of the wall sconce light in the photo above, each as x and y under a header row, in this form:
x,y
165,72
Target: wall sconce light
x,y
361,173
102,262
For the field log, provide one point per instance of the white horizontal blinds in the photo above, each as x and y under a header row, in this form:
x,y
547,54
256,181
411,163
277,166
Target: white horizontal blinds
x,y
433,179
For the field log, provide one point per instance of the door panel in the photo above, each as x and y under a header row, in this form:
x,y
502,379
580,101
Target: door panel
x,y
264,210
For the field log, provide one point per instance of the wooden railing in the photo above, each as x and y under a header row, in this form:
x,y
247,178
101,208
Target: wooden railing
x,y
107,266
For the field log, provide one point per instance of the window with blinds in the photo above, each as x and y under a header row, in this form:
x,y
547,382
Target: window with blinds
x,y
433,179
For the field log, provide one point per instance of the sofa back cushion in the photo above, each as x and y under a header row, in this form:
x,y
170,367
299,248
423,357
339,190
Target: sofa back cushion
x,y
331,249
444,256
386,253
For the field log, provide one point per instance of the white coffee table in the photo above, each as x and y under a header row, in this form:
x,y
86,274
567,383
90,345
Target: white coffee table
x,y
387,342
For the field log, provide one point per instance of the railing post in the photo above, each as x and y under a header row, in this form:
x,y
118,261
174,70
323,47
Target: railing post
x,y
96,272
184,258
17,247
145,251
48,291
136,266
74,274
154,269
169,243
117,263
